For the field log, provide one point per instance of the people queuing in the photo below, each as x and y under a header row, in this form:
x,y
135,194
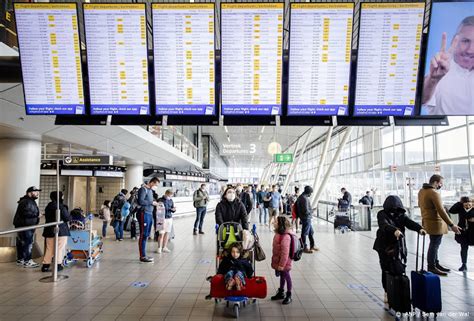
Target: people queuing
x,y
165,231
304,212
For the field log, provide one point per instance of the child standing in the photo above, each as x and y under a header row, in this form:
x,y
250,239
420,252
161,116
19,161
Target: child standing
x,y
281,260
104,215
235,268
164,234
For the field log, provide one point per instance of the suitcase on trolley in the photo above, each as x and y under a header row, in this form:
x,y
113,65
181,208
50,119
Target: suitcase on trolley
x,y
425,286
256,287
342,220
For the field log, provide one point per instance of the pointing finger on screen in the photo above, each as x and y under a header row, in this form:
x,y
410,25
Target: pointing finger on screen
x,y
443,42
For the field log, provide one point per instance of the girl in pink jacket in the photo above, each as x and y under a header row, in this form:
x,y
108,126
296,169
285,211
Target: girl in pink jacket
x,y
281,260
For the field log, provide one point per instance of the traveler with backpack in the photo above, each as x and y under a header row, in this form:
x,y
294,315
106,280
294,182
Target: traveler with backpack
x,y
392,222
200,201
281,258
104,215
305,214
117,211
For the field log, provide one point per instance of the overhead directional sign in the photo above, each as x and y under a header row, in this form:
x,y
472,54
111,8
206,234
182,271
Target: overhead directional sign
x,y
283,158
87,160
238,149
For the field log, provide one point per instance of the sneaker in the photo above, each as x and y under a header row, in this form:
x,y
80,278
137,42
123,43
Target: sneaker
x,y
437,272
195,232
201,232
315,249
20,262
134,238
463,268
308,251
158,250
45,268
166,250
120,240
147,260
117,240
31,264
385,298
60,267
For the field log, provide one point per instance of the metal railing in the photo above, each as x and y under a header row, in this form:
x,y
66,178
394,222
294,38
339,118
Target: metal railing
x,y
54,276
360,215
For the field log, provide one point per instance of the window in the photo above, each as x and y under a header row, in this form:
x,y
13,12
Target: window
x,y
414,151
413,132
452,143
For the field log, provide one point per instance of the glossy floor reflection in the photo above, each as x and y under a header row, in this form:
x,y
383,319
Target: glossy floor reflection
x,y
341,282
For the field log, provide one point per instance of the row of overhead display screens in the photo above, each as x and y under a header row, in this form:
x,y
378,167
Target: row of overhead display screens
x,y
388,58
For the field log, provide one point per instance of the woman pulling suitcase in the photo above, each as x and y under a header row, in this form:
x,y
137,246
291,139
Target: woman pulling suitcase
x,y
390,243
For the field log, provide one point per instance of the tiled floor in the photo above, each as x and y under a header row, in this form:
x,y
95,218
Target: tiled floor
x,y
341,282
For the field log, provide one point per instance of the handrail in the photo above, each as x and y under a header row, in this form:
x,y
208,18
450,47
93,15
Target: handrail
x,y
27,228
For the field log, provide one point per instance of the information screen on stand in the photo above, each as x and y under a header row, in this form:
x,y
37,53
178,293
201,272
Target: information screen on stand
x,y
320,58
50,58
388,58
252,42
183,41
117,58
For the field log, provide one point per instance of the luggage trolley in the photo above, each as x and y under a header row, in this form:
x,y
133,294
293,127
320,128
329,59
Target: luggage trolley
x,y
83,244
342,221
256,287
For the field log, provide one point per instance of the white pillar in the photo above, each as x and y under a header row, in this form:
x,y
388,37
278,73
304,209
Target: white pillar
x,y
20,161
133,176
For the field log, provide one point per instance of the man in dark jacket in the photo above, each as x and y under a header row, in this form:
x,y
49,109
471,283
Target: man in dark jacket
x,y
390,243
345,202
27,214
368,200
305,214
231,209
246,199
48,232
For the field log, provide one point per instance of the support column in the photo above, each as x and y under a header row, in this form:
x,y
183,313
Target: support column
x,y
322,161
20,161
293,167
133,175
333,162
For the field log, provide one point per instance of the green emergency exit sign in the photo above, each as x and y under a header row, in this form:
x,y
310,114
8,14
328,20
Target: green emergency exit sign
x,y
283,158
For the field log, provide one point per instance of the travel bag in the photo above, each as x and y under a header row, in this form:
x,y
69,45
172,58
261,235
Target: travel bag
x,y
256,287
425,286
398,285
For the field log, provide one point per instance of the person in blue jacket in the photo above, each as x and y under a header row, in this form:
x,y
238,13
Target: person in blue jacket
x,y
145,216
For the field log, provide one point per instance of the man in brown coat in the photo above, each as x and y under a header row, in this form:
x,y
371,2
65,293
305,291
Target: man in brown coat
x,y
435,221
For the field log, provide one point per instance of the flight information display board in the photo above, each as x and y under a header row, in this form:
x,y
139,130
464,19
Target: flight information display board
x,y
320,58
50,56
183,42
388,58
117,58
252,42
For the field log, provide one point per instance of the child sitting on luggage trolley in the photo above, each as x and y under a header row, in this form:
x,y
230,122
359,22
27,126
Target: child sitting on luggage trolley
x,y
235,268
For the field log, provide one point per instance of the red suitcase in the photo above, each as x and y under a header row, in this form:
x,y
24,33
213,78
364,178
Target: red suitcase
x,y
255,287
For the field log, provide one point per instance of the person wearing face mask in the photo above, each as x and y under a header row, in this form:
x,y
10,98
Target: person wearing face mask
x,y
48,232
163,236
200,201
27,214
392,222
231,209
466,222
435,220
145,216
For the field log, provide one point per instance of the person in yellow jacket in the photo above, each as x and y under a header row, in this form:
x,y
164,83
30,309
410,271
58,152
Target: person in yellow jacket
x,y
435,221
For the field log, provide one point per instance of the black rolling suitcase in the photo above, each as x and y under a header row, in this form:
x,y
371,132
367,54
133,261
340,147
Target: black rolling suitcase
x,y
398,285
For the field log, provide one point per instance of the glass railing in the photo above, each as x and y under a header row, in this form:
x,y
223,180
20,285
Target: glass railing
x,y
360,216
173,137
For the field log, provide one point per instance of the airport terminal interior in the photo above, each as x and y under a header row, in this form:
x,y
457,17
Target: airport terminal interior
x,y
224,160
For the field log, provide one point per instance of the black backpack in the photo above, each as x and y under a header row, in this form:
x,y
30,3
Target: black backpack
x,y
296,247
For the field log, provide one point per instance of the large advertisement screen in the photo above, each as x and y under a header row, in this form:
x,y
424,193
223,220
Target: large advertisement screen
x,y
50,55
448,86
252,57
388,58
320,58
183,41
117,58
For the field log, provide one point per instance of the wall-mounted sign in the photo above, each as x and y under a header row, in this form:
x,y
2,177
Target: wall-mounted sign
x,y
228,149
88,160
283,158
